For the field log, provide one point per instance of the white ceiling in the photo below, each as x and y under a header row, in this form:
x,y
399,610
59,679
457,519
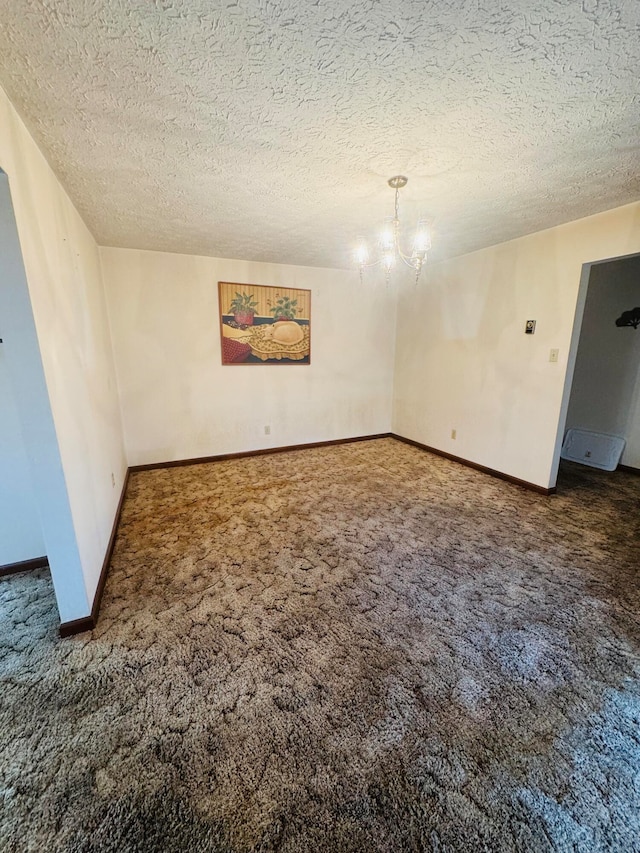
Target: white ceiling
x,y
266,129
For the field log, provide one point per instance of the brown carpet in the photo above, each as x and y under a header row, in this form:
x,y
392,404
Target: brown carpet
x,y
357,648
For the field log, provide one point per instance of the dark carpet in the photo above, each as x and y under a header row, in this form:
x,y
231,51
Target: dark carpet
x,y
357,648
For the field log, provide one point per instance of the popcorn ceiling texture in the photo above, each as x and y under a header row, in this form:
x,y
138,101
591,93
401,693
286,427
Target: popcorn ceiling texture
x,y
266,130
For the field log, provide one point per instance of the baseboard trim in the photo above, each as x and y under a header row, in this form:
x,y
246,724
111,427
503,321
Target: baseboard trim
x,y
533,487
629,469
24,566
88,623
77,626
201,460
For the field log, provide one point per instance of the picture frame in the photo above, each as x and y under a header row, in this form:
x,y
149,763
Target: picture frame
x,y
261,324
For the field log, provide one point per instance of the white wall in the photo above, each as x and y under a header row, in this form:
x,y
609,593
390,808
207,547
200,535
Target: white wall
x,y
463,361
67,296
607,365
178,400
20,530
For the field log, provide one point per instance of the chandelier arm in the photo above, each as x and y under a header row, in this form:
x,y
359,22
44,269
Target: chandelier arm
x,y
409,260
372,264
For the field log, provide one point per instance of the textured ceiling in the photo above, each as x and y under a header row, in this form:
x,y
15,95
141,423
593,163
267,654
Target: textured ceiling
x,y
266,129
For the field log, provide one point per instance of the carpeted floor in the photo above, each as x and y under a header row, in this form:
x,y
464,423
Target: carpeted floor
x,y
358,648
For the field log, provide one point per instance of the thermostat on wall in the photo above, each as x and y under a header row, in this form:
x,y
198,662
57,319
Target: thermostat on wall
x,y
530,327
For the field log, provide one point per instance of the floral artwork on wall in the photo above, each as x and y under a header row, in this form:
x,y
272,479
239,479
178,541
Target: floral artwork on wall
x,y
264,325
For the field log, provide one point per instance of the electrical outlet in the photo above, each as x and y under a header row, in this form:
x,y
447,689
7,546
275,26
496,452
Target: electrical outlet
x,y
553,355
113,481
454,433
267,430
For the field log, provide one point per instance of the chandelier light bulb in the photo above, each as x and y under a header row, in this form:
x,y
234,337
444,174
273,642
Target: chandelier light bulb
x,y
362,253
422,242
386,238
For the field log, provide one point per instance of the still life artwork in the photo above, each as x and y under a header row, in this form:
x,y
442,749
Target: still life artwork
x,y
264,325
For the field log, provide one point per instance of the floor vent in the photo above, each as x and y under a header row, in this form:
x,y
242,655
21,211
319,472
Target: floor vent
x,y
593,448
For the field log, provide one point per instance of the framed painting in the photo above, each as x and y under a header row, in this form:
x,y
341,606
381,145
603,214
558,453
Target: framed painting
x,y
264,325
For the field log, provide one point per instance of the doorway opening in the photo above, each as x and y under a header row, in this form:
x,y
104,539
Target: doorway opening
x,y
602,386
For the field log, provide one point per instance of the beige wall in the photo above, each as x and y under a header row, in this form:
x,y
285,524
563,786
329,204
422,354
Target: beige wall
x,y
463,361
178,400
67,296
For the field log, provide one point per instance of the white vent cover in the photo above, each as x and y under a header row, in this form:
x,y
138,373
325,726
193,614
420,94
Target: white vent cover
x,y
593,448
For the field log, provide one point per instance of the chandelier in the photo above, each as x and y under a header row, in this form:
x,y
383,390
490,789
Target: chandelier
x,y
389,249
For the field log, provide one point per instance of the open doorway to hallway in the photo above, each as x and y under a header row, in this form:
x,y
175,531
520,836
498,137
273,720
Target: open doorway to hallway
x,y
602,391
